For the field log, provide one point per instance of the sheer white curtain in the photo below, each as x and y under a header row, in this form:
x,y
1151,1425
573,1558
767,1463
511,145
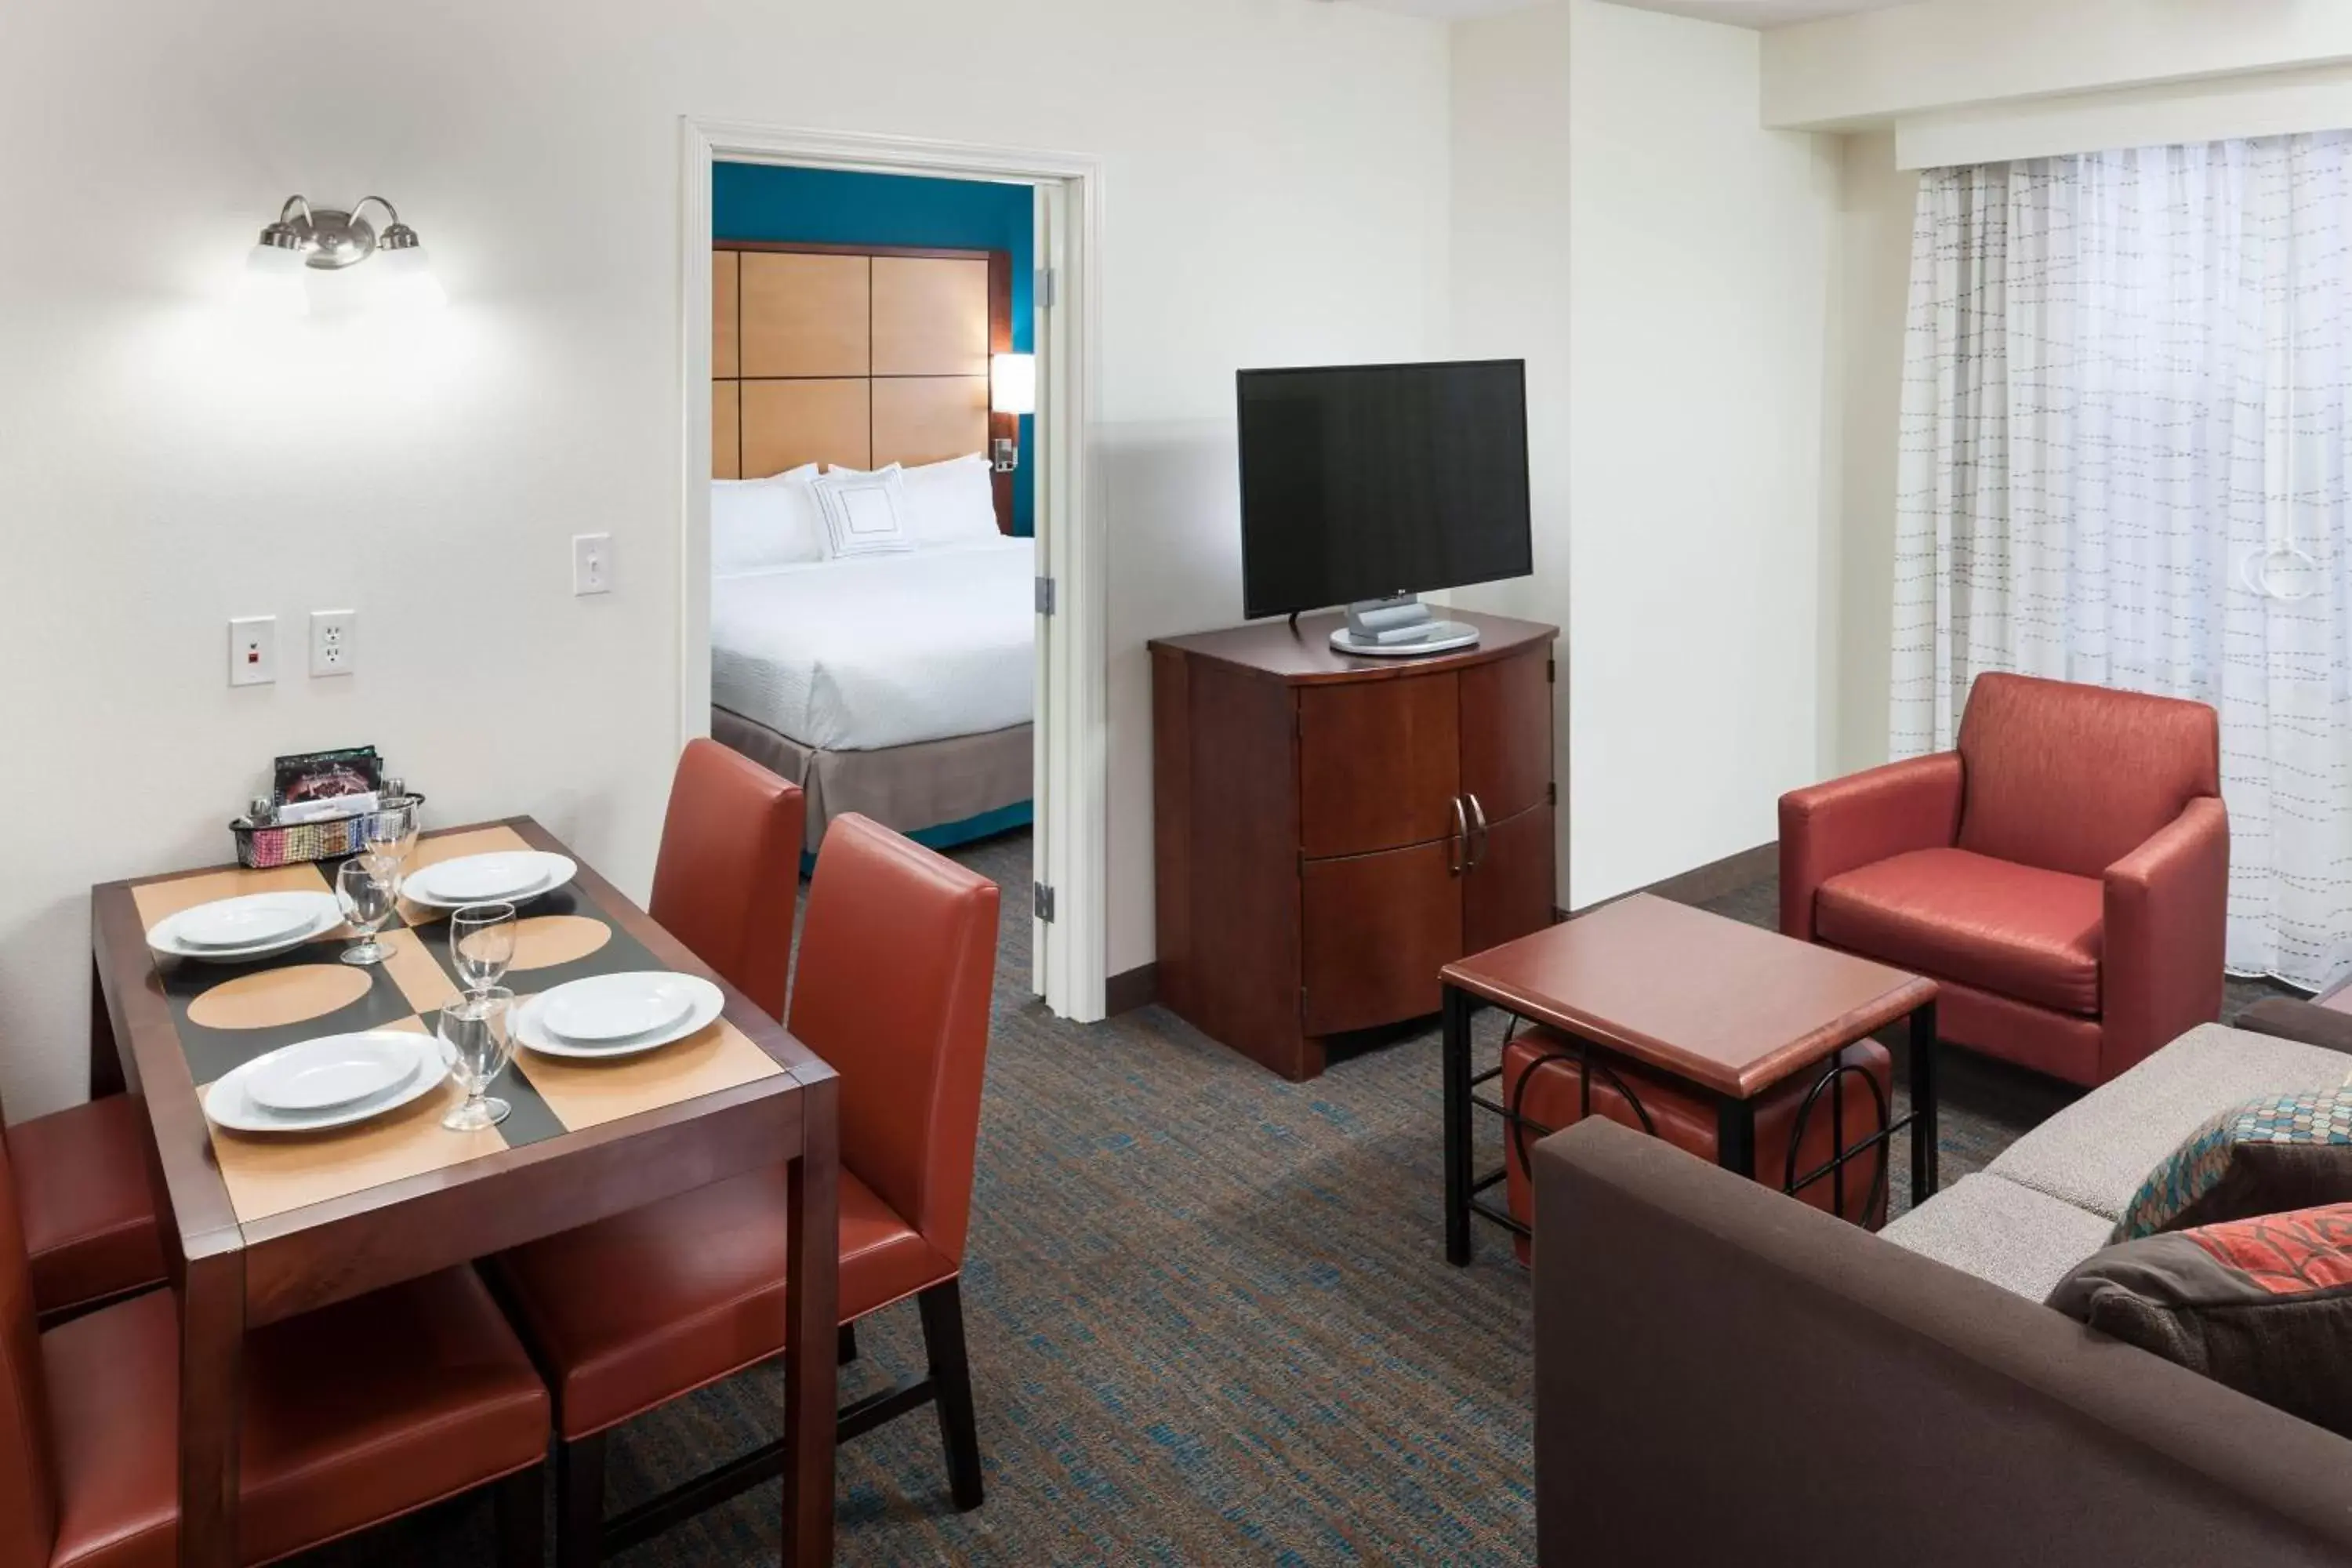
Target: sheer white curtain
x,y
2125,448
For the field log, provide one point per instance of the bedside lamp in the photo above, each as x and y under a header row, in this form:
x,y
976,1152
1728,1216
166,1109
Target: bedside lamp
x,y
1012,389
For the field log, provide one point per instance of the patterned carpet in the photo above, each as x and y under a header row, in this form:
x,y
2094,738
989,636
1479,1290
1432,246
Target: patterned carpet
x,y
1209,1315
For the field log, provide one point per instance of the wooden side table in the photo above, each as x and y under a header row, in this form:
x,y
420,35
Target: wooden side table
x,y
1727,1010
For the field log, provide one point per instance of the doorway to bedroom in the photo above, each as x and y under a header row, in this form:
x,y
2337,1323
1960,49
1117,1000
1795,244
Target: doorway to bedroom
x,y
873,599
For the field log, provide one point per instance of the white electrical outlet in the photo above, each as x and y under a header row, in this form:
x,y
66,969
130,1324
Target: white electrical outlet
x,y
253,650
333,641
592,564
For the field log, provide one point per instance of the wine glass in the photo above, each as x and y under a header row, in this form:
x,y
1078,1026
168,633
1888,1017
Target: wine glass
x,y
477,1042
364,889
389,832
481,944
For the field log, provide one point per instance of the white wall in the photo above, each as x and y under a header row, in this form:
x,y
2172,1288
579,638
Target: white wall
x,y
1942,54
1510,218
1276,182
1693,251
1876,202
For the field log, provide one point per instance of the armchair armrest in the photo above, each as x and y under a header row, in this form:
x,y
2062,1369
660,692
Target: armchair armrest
x,y
1849,823
2165,926
1725,1375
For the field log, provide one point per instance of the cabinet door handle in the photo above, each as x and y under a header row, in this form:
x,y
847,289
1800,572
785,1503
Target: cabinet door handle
x,y
1478,844
1458,854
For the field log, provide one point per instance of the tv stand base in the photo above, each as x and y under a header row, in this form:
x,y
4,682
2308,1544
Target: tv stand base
x,y
1399,627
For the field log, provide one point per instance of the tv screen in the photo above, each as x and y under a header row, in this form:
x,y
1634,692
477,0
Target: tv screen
x,y
1365,482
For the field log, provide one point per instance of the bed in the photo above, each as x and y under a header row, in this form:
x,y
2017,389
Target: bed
x,y
899,686
900,683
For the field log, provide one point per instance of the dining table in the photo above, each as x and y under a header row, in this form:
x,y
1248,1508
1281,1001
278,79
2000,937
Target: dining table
x,y
262,1228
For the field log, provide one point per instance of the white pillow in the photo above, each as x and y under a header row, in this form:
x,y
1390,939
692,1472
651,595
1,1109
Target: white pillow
x,y
757,525
953,502
865,514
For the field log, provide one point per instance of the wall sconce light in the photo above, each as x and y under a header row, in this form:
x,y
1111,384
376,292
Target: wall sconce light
x,y
1012,389
328,240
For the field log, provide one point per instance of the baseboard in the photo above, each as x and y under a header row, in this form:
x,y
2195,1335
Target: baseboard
x,y
1131,989
1711,880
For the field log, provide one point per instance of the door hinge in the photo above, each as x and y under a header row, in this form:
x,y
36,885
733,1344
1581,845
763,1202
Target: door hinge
x,y
1045,595
1048,286
1551,672
1045,901
1551,793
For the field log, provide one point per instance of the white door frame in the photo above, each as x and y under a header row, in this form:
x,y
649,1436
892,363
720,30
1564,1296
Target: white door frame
x,y
1073,783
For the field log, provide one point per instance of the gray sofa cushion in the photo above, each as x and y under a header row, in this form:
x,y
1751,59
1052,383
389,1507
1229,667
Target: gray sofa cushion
x,y
2095,1153
2009,1236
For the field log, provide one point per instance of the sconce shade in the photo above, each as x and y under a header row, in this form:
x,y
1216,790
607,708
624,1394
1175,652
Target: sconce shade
x,y
1013,384
273,281
407,281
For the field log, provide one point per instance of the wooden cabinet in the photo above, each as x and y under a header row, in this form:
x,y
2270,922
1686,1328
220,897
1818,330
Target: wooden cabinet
x,y
1331,830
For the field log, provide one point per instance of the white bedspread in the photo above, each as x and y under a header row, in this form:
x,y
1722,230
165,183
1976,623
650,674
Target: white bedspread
x,y
880,650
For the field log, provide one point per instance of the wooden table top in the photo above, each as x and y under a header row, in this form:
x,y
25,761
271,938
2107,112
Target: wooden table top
x,y
1730,1007
1306,656
286,1197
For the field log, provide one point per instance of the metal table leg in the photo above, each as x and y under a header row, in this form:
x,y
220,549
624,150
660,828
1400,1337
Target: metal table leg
x,y
1458,1006
1923,1103
1735,1136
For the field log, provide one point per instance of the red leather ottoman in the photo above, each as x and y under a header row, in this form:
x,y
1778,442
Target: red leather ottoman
x,y
1543,1081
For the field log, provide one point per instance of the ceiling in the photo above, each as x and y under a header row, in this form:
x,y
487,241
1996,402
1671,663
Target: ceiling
x,y
1739,13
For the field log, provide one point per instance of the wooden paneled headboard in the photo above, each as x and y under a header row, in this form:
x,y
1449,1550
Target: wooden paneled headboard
x,y
855,356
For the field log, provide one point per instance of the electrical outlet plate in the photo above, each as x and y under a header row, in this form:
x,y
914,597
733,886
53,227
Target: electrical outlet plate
x,y
333,641
592,564
253,650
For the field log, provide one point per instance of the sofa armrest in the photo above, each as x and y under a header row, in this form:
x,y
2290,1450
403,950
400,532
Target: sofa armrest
x,y
2292,1020
2164,932
1853,822
1722,1374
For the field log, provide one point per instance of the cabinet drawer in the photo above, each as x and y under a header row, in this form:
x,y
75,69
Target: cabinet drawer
x,y
1378,929
1380,763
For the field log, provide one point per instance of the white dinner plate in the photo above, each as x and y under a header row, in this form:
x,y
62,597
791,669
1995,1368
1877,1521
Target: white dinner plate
x,y
608,1007
332,1070
530,1028
255,919
230,1103
507,877
318,915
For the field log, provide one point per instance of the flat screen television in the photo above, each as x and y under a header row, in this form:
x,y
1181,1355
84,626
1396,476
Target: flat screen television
x,y
1363,482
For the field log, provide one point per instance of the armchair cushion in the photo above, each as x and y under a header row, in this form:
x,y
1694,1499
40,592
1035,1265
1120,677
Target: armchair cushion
x,y
2073,778
2009,928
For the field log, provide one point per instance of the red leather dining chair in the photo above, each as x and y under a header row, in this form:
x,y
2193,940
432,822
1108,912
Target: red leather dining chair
x,y
352,1415
86,1204
2063,874
729,868
897,959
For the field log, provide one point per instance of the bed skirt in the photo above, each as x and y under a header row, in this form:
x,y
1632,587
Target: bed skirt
x,y
983,782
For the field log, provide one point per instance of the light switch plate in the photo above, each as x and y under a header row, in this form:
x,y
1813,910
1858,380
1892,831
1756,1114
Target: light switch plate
x,y
253,650
592,564
333,642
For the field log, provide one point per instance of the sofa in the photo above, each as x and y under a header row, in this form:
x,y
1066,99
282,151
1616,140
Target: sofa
x,y
1726,1375
2063,873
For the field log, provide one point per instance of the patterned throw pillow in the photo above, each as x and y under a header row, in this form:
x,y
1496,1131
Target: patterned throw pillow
x,y
2280,1151
2263,1305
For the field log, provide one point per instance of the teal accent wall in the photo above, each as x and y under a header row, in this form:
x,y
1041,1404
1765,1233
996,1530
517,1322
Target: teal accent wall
x,y
832,207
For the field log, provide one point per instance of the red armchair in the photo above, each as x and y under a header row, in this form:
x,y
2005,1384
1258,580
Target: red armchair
x,y
2064,874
